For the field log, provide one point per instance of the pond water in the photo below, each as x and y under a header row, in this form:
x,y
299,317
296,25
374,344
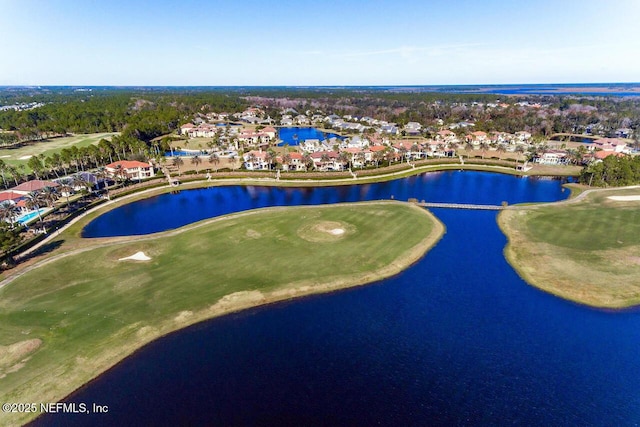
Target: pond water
x,y
184,207
295,135
456,339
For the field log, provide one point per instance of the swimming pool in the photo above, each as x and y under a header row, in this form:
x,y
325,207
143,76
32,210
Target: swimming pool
x,y
30,216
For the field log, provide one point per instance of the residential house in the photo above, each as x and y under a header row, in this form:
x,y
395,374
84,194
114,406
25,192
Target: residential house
x,y
256,160
326,161
296,163
33,185
413,128
552,157
132,169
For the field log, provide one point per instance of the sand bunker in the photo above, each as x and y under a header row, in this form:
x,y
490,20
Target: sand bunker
x,y
138,256
625,198
25,157
325,231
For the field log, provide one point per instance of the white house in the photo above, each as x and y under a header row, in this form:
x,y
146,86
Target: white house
x,y
133,169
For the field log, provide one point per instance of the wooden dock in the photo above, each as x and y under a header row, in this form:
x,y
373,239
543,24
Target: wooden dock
x,y
461,206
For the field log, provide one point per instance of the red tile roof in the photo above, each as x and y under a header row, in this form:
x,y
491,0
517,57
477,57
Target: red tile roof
x,y
128,164
34,185
377,148
9,195
602,154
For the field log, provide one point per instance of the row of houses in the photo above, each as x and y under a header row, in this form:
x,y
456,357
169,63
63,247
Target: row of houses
x,y
17,196
596,150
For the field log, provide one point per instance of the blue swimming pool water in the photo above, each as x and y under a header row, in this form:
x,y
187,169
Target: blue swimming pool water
x,y
24,219
295,135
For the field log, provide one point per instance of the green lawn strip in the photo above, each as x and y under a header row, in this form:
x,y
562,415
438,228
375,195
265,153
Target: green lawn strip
x,y
50,146
587,251
91,310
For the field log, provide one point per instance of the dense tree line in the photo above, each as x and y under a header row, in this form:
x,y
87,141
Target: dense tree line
x,y
137,114
613,171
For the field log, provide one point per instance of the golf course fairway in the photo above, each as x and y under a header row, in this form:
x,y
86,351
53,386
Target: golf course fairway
x,y
74,315
587,251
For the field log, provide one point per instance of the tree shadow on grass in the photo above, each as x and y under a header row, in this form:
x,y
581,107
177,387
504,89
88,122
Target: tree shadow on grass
x,y
44,249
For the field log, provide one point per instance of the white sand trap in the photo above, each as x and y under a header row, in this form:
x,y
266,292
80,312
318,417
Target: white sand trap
x,y
25,157
625,198
337,231
4,157
138,256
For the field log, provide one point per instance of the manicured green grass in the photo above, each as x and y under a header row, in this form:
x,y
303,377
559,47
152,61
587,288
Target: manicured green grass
x,y
588,251
91,310
16,156
586,228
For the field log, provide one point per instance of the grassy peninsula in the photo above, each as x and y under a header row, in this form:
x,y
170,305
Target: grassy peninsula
x,y
75,314
587,250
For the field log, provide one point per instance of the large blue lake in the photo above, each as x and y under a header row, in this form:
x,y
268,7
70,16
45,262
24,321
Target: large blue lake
x,y
295,135
456,339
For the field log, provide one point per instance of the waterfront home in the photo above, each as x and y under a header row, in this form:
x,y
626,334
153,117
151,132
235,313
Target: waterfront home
x,y
270,131
447,136
412,150
476,138
254,138
355,142
33,185
610,144
296,162
131,169
600,154
301,120
10,196
256,160
552,157
326,161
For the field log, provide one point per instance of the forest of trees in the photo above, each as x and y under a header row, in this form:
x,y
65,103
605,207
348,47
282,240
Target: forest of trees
x,y
613,171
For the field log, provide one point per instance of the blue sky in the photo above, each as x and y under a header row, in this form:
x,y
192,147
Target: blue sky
x,y
404,42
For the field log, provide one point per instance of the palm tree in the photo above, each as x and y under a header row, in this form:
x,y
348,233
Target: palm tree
x,y
195,161
214,159
286,160
49,195
377,157
484,147
324,158
103,175
66,188
468,147
232,161
270,157
33,201
178,162
8,212
519,151
403,153
80,181
343,158
3,169
308,161
251,159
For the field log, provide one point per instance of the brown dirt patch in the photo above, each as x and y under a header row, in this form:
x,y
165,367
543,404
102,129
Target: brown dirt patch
x,y
14,356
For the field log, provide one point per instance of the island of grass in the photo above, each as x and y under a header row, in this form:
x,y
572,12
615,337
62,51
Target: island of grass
x,y
586,251
77,313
